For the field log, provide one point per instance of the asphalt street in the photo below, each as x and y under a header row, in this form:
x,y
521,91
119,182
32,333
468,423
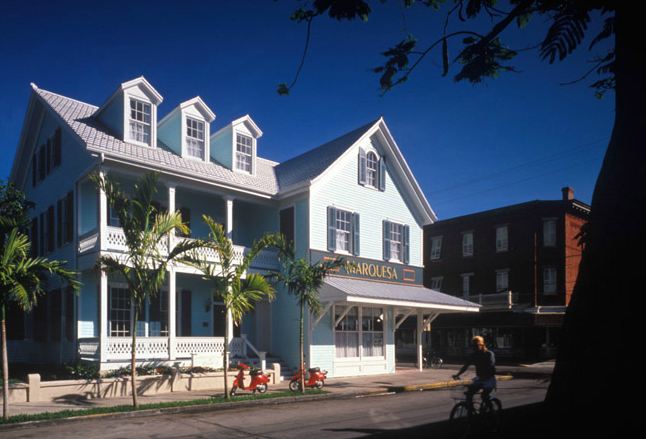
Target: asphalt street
x,y
338,418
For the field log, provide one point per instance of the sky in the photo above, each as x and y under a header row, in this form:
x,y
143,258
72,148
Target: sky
x,y
520,137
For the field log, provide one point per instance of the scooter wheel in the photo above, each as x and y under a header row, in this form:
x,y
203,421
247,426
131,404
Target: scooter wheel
x,y
262,388
232,392
319,384
295,386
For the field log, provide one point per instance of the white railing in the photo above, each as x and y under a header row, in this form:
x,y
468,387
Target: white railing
x,y
88,242
147,348
187,346
507,300
89,348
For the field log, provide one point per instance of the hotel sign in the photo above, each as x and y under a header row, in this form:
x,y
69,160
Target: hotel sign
x,y
371,269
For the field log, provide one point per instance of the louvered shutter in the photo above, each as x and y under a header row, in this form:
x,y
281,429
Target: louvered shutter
x,y
405,244
381,178
332,228
386,240
356,234
69,217
361,172
57,147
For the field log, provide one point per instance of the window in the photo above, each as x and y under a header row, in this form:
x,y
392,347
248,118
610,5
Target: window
x,y
550,280
195,138
343,227
140,121
286,223
119,312
347,333
371,169
244,147
396,242
550,232
501,280
502,239
372,332
436,247
466,282
437,283
468,244
158,315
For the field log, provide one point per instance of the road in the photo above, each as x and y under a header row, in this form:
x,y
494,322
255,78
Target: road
x,y
339,418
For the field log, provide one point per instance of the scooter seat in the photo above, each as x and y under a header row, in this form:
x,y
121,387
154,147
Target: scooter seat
x,y
314,370
256,372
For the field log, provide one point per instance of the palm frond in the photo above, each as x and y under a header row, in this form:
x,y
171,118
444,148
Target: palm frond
x,y
565,33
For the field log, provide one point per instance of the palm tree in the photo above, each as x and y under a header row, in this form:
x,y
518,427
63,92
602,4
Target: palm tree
x,y
144,265
237,293
22,281
303,281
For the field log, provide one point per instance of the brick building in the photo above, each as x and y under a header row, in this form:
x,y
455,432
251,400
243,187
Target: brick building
x,y
519,262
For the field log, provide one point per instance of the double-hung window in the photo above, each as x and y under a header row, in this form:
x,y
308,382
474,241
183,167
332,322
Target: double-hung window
x,y
502,239
195,138
502,280
371,170
343,231
119,312
468,244
244,148
550,232
550,280
139,124
436,247
343,221
396,241
437,283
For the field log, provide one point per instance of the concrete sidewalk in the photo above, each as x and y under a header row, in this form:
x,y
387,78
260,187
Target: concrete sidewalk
x,y
406,378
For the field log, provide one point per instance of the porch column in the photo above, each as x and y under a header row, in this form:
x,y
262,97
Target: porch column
x,y
171,209
103,214
229,228
103,316
419,325
171,313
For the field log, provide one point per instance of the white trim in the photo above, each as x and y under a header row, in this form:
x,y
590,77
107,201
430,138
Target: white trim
x,y
403,303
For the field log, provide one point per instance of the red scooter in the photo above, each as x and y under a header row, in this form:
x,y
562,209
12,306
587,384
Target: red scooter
x,y
259,380
315,378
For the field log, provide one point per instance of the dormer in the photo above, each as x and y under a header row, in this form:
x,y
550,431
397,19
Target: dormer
x,y
131,112
234,146
185,130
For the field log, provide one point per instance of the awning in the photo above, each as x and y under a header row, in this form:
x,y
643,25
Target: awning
x,y
347,290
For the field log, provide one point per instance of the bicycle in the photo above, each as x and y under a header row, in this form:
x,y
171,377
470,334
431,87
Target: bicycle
x,y
431,360
478,418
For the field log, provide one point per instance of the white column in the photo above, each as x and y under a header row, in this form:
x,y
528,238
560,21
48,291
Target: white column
x,y
229,224
171,209
419,325
103,316
103,214
171,314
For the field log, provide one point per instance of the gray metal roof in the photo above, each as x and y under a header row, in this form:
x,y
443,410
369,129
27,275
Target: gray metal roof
x,y
338,287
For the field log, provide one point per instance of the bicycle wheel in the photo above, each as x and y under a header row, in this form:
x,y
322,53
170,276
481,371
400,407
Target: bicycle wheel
x,y
436,362
460,420
490,415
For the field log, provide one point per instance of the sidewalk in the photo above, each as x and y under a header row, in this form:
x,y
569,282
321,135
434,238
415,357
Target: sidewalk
x,y
406,378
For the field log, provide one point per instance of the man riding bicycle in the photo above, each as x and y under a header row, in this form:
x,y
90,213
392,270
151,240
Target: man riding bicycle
x,y
483,360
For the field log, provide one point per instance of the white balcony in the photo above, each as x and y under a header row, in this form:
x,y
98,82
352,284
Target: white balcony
x,y
501,301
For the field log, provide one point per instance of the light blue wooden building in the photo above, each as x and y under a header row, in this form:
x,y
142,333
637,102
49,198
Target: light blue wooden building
x,y
353,196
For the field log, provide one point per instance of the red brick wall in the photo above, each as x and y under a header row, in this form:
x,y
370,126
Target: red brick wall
x,y
573,252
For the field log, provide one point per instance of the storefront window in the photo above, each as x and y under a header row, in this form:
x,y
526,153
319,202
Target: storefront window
x,y
347,333
355,340
372,332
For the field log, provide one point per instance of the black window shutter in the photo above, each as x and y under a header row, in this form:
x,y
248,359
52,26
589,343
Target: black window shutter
x,y
59,222
42,157
41,235
57,147
381,178
386,240
50,156
34,169
356,234
50,229
405,244
332,228
69,217
361,162
34,236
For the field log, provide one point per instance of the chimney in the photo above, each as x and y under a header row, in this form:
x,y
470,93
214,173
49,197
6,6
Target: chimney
x,y
567,193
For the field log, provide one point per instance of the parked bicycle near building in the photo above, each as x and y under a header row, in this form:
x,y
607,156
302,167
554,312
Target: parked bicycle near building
x,y
432,360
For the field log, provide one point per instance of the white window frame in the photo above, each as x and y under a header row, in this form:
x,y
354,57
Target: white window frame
x,y
343,217
396,245
436,248
502,239
550,281
191,127
123,329
244,154
468,244
500,287
466,284
549,232
357,330
372,172
129,120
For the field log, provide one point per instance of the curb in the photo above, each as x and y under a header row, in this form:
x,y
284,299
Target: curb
x,y
440,385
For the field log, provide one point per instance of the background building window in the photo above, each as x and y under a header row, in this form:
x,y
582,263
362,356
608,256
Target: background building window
x,y
466,283
501,280
437,283
140,121
502,239
436,247
550,280
550,233
244,145
195,138
468,244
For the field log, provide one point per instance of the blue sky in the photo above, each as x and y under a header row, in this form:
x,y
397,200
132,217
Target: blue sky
x,y
520,137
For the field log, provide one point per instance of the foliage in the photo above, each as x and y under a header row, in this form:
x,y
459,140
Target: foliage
x,y
82,371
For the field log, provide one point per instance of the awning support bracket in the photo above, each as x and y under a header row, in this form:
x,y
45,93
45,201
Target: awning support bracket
x,y
430,319
401,321
323,313
343,314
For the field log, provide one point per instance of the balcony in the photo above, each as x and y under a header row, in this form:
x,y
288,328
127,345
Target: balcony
x,y
501,301
115,242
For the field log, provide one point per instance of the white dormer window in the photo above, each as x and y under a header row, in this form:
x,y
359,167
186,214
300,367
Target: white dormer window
x,y
140,121
371,169
195,138
244,148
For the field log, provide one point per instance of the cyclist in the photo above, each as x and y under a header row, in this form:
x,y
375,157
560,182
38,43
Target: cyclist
x,y
483,360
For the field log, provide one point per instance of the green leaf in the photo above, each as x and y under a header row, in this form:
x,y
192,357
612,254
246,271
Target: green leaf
x,y
283,89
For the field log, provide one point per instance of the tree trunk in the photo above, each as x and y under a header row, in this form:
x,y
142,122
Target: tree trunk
x,y
133,357
225,355
610,271
5,366
301,349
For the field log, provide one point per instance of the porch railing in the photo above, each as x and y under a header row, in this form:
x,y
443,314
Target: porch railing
x,y
507,300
